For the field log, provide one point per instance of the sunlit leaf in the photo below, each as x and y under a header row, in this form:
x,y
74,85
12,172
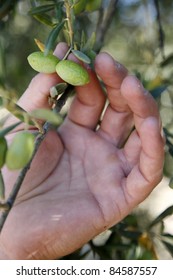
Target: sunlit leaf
x,y
81,56
47,115
39,44
45,19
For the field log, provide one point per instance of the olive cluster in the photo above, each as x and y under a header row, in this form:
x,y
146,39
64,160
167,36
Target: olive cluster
x,y
69,71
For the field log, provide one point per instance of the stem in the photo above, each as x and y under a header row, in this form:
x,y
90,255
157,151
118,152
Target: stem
x,y
2,187
6,207
69,22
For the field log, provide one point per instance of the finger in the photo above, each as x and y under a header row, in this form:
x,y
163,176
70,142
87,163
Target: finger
x,y
139,100
88,103
131,152
143,106
148,172
112,74
117,120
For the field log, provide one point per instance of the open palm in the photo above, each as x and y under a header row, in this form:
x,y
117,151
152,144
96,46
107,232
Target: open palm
x,y
85,178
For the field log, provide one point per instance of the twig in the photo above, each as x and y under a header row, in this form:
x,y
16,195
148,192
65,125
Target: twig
x,y
47,126
104,21
161,32
69,22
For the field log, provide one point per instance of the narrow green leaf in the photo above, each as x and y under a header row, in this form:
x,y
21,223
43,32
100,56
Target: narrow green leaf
x,y
6,130
81,56
164,214
52,37
18,112
167,61
45,19
59,10
41,9
3,150
47,115
90,43
168,235
169,247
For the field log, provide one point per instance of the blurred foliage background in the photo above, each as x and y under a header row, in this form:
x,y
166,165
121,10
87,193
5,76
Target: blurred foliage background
x,y
140,37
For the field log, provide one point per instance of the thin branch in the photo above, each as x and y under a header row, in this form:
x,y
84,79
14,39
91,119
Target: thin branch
x,y
161,32
6,207
104,21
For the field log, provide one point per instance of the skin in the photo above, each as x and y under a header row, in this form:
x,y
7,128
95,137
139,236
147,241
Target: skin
x,y
84,180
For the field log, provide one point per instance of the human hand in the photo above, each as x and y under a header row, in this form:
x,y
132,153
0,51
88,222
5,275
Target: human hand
x,y
84,180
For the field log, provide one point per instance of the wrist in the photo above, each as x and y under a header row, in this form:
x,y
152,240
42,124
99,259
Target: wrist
x,y
3,256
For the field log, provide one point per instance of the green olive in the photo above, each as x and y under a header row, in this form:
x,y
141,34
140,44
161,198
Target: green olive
x,y
3,151
72,73
20,151
43,63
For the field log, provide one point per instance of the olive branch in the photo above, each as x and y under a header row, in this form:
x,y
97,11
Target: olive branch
x,y
82,48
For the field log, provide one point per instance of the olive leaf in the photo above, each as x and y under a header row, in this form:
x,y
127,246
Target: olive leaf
x,y
18,112
41,9
7,129
45,19
52,37
169,247
39,44
90,43
3,150
47,115
58,89
164,214
81,56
